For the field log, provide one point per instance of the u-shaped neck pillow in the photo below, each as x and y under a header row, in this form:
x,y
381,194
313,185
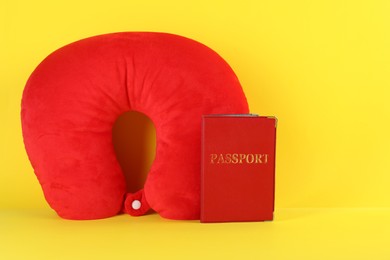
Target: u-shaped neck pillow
x,y
73,98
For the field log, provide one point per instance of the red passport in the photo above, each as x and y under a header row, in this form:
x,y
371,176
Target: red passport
x,y
238,168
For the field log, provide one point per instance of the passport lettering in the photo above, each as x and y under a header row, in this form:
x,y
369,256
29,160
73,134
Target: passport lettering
x,y
238,158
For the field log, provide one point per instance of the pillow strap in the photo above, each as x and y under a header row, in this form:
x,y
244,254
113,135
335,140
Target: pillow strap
x,y
135,204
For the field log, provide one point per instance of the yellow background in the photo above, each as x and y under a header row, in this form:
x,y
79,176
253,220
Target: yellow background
x,y
321,67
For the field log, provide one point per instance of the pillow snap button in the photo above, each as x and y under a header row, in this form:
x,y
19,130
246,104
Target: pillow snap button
x,y
136,204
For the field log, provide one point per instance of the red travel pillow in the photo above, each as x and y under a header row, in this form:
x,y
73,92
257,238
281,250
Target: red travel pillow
x,y
73,98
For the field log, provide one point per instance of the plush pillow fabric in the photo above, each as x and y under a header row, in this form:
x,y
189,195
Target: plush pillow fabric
x,y
73,98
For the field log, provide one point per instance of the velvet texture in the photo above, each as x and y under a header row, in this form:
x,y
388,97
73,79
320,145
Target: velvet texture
x,y
72,99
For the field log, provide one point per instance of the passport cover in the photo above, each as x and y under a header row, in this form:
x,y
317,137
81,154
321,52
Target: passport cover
x,y
238,168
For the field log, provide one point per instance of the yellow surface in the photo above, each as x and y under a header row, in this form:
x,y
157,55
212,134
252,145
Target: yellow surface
x,y
295,234
322,67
